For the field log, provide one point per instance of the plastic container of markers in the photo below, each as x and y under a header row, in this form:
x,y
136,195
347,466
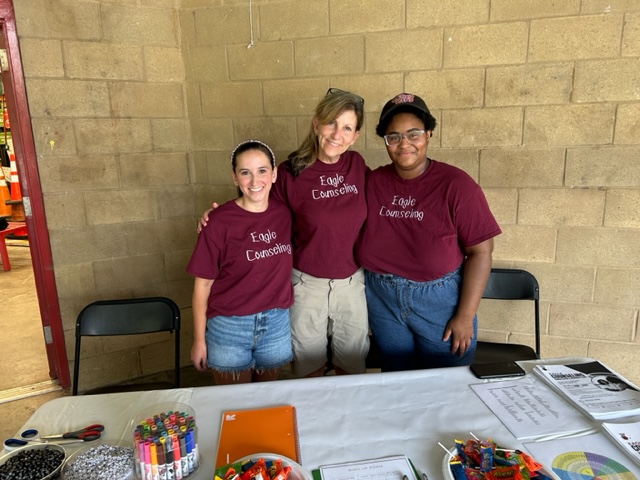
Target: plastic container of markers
x,y
165,441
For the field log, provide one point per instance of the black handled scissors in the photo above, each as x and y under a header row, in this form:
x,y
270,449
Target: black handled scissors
x,y
88,433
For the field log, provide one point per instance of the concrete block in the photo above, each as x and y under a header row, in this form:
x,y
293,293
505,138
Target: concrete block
x,y
194,100
359,16
459,88
218,167
560,347
627,124
198,167
176,202
34,50
108,369
75,278
212,134
504,10
561,283
129,271
526,244
53,136
603,167
206,64
278,133
139,25
89,244
186,18
607,80
224,25
112,135
158,100
161,236
631,35
521,168
431,13
92,60
263,61
117,207
376,89
604,6
602,247
241,99
617,356
555,206
58,19
592,36
290,20
78,173
622,208
163,64
529,85
296,96
477,128
465,159
65,210
333,56
493,44
618,286
569,125
170,135
506,316
158,356
154,169
68,98
175,263
503,203
604,322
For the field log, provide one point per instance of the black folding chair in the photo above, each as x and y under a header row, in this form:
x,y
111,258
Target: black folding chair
x,y
511,284
129,317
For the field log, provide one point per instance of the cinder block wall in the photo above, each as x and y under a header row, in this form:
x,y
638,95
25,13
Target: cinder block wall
x,y
539,101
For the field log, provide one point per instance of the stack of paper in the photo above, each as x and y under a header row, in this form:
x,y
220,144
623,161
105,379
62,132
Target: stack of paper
x,y
626,436
593,388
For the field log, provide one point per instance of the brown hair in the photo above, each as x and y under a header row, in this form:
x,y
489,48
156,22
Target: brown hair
x,y
334,104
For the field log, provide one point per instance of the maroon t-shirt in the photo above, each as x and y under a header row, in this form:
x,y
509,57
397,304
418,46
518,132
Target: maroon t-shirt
x,y
416,228
249,256
328,206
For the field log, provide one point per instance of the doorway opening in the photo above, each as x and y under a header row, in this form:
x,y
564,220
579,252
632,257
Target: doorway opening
x,y
23,149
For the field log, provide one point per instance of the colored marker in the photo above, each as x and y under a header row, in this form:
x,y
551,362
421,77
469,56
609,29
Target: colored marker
x,y
168,458
147,462
184,461
177,463
162,467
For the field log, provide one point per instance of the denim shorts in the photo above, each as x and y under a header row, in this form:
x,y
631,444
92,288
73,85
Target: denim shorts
x,y
407,321
324,306
261,341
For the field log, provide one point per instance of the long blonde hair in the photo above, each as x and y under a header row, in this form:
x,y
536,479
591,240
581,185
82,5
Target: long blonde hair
x,y
330,107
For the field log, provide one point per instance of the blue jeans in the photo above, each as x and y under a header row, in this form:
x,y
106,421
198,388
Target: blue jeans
x,y
407,321
261,341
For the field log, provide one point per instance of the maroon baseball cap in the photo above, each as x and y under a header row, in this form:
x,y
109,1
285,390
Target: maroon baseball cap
x,y
404,102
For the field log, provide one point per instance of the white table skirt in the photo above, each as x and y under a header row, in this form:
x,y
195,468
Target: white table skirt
x,y
340,418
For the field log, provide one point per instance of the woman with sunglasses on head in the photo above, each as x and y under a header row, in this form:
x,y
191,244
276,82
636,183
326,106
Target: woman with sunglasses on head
x,y
242,263
323,184
426,247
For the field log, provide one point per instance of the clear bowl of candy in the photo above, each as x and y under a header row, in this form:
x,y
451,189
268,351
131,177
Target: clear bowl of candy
x,y
37,461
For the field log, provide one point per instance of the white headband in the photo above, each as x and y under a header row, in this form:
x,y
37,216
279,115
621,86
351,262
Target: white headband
x,y
273,156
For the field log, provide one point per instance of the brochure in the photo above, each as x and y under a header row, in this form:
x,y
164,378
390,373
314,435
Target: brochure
x,y
626,436
397,467
593,388
529,409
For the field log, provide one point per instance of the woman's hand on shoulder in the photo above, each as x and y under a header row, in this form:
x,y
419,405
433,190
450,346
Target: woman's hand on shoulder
x,y
205,217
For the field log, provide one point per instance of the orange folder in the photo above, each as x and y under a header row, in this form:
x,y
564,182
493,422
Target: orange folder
x,y
259,430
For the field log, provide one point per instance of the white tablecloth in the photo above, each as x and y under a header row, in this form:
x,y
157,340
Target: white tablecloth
x,y
340,418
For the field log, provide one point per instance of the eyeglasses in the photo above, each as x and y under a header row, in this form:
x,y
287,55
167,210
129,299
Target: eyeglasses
x,y
396,138
336,91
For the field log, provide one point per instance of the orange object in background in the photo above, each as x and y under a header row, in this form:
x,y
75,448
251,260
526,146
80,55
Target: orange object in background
x,y
5,209
17,209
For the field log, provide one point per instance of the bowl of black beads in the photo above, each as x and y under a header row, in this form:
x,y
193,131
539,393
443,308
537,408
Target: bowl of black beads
x,y
38,461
